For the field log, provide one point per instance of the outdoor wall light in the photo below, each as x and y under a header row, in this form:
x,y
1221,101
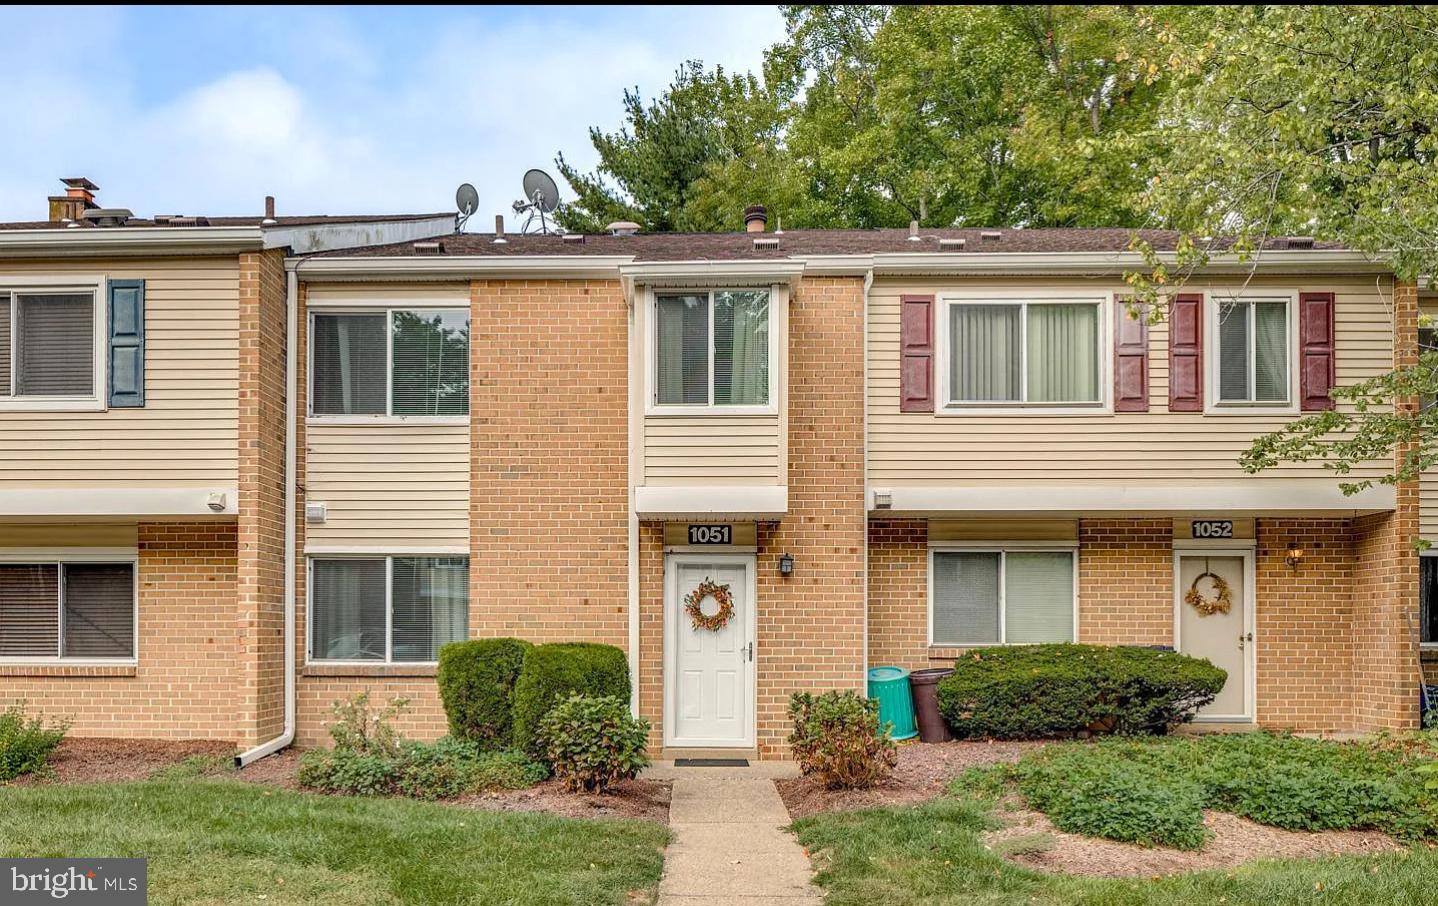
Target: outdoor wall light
x,y
786,565
1294,556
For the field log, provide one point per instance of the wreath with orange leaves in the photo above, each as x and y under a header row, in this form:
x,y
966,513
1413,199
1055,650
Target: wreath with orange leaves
x,y
1221,601
694,606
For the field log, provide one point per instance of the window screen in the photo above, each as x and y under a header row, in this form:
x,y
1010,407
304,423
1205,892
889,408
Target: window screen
x,y
5,345
55,344
682,354
741,348
966,598
430,362
99,610
431,605
1253,352
349,618
29,610
349,362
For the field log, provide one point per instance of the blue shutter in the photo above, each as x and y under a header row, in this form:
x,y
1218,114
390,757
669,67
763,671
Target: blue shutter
x,y
127,344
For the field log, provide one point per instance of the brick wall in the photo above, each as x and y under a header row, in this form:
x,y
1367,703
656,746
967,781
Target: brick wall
x,y
1126,581
898,593
184,684
259,689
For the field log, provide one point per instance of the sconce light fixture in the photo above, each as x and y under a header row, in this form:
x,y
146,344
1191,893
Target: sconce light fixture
x,y
1294,556
786,565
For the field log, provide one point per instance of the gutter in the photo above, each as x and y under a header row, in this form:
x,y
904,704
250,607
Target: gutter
x,y
455,267
287,734
64,242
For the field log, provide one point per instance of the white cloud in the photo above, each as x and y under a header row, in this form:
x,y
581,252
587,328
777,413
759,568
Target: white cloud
x,y
355,123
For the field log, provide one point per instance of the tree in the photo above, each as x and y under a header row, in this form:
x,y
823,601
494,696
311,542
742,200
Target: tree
x,y
1313,120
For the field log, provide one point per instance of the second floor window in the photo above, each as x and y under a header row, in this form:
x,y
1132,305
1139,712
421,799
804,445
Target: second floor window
x,y
1253,352
712,348
398,362
47,344
1024,353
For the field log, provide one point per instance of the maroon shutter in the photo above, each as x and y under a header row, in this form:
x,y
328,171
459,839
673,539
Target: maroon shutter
x,y
916,354
1315,350
1185,353
1130,359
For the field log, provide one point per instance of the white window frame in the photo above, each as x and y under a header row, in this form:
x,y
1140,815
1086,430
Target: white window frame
x,y
1213,352
651,394
1003,549
96,401
80,555
388,557
1023,298
387,308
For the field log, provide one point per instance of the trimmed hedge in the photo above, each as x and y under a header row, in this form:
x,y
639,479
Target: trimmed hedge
x,y
476,683
552,673
1038,691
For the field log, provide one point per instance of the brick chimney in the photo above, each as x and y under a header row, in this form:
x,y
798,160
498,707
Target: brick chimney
x,y
79,196
756,218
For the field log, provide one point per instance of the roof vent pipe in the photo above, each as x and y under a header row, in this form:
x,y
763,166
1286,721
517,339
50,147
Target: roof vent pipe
x,y
269,211
623,228
499,229
756,218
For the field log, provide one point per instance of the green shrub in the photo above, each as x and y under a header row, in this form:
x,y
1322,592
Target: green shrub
x,y
837,739
476,684
592,741
553,672
26,743
1038,691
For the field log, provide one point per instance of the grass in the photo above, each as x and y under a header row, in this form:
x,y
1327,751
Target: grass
x,y
223,841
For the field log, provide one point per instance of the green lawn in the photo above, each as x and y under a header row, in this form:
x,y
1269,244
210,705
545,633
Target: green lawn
x,y
933,855
224,842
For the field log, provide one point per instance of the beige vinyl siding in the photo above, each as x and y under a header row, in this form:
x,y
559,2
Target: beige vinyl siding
x,y
396,485
711,449
925,449
1428,483
187,434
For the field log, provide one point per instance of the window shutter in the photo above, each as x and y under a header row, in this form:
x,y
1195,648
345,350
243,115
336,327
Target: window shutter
x,y
1315,350
1130,359
127,344
916,354
1185,353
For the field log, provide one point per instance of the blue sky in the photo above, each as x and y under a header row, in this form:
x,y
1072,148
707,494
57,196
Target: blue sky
x,y
332,110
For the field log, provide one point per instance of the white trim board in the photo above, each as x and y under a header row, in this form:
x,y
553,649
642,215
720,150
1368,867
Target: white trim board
x,y
1262,496
84,502
707,501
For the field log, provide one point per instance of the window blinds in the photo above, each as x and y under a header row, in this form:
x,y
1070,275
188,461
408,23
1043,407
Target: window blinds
x,y
99,610
56,344
349,361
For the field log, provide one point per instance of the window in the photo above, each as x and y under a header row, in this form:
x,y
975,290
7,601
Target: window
x,y
1427,344
68,610
47,343
1428,600
387,609
712,348
1253,352
995,597
1024,353
397,362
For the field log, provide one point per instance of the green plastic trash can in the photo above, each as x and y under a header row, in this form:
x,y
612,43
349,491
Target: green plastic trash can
x,y
890,685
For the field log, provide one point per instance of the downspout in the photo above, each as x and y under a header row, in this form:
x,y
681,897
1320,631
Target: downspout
x,y
632,412
864,345
287,735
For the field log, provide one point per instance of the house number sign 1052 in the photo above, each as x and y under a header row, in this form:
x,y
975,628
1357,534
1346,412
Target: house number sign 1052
x,y
1213,528
711,534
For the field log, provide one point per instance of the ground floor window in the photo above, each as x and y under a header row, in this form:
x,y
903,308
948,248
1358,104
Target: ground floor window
x,y
1428,599
387,609
992,597
67,610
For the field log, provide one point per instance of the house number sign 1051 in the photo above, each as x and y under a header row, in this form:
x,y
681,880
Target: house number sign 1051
x,y
711,534
1213,528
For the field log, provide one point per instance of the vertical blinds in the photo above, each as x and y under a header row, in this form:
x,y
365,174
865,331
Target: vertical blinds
x,y
682,357
56,344
349,364
1062,353
348,623
93,602
985,344
430,363
1253,352
430,605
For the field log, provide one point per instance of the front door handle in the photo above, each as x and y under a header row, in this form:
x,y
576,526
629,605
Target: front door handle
x,y
1244,637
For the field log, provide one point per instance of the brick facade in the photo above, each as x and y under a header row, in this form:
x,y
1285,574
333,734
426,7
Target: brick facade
x,y
898,593
1125,581
183,686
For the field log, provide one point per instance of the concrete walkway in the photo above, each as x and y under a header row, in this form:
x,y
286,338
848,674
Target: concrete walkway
x,y
729,842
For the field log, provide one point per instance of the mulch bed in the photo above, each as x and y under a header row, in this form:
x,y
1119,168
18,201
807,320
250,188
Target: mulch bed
x,y
923,771
96,760
1235,841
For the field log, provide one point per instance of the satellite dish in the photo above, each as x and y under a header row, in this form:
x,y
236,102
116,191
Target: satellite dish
x,y
540,191
466,198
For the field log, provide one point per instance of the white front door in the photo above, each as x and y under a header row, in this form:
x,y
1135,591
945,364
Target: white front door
x,y
1225,639
709,674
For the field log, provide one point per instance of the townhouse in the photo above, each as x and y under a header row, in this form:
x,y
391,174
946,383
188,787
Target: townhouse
x,y
310,453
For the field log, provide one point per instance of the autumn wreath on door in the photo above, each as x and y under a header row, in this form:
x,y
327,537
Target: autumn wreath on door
x,y
1219,602
694,606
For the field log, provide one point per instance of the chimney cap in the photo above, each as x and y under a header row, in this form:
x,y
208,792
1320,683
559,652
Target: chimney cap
x,y
756,212
79,182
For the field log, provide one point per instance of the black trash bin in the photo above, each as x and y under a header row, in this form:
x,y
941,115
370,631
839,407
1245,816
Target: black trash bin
x,y
925,685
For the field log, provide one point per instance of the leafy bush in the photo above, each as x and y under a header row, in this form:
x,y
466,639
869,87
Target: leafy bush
x,y
1153,791
476,684
593,741
26,743
371,758
837,739
1037,691
553,672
